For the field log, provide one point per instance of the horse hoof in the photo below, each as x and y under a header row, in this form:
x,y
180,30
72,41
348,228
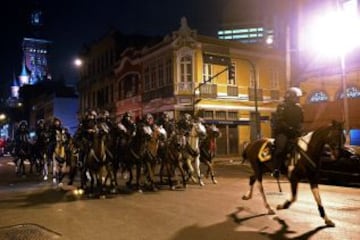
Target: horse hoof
x,y
279,207
114,191
202,184
102,196
173,188
271,212
245,197
214,181
329,223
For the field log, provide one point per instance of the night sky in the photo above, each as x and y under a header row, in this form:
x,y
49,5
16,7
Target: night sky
x,y
71,23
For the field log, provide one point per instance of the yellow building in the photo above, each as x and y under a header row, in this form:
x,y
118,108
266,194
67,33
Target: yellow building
x,y
186,72
216,79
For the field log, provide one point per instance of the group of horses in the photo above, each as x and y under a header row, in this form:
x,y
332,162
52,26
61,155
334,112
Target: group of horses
x,y
145,158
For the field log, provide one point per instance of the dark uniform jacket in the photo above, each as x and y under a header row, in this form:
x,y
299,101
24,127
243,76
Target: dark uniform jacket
x,y
289,119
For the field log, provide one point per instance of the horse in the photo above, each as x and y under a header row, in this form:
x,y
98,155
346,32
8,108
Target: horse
x,y
208,149
96,162
137,152
170,155
305,162
22,152
59,156
192,150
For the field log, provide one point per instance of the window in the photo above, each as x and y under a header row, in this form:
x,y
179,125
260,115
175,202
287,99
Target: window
x,y
274,80
232,115
232,74
146,79
351,92
208,114
186,69
161,73
207,72
168,71
252,79
153,79
220,115
318,96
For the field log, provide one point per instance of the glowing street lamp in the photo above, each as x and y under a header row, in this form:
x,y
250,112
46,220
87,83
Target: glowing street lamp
x,y
2,116
78,62
334,34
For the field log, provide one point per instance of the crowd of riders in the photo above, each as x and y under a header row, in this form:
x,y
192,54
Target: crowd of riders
x,y
41,150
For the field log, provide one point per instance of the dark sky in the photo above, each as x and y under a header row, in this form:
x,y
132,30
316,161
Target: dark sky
x,y
71,23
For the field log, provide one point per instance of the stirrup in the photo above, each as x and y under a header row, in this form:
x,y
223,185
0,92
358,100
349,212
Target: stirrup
x,y
276,173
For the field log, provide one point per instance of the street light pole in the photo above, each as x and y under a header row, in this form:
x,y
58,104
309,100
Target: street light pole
x,y
345,98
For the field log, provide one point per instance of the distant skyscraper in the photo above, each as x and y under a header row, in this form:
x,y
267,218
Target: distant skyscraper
x,y
36,48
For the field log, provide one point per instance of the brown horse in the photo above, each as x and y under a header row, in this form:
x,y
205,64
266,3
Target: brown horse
x,y
208,150
305,163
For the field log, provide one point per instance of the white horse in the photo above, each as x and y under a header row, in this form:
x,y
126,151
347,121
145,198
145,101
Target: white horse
x,y
198,131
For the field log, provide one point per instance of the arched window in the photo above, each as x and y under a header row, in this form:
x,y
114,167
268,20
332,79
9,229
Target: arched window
x,y
351,92
318,96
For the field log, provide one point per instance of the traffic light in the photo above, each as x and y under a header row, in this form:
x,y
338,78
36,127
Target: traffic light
x,y
232,72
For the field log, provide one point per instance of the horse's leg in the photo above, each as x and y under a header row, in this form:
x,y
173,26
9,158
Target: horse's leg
x,y
22,166
181,169
210,170
189,169
294,186
197,168
262,192
150,171
138,176
45,167
316,193
54,169
249,193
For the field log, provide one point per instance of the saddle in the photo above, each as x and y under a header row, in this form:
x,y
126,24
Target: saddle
x,y
266,149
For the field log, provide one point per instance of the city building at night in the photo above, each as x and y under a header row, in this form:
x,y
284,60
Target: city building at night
x,y
233,85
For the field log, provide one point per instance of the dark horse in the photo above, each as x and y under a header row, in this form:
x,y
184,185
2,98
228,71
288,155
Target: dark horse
x,y
305,163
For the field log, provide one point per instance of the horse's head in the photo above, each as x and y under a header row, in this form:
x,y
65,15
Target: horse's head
x,y
213,131
198,130
331,138
145,132
159,133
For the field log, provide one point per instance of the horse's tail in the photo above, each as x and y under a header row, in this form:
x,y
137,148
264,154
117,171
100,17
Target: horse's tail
x,y
244,151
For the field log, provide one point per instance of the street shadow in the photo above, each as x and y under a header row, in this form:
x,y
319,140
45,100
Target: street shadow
x,y
227,230
38,198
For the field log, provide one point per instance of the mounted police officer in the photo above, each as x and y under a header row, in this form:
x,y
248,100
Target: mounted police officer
x,y
184,124
22,146
288,126
167,123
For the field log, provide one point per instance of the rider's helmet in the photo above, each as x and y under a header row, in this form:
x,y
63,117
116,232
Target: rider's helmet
x,y
57,123
106,114
92,115
149,119
23,124
40,123
293,94
103,115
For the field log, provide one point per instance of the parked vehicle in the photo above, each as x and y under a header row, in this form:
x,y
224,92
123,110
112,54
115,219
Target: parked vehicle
x,y
345,169
2,146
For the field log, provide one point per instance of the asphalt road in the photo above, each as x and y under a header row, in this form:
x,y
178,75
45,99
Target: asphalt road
x,y
33,209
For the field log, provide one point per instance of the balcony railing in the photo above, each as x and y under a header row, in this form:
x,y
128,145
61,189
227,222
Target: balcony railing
x,y
259,94
232,91
184,88
208,91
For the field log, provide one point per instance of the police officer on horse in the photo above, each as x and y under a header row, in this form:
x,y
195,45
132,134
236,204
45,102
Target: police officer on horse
x,y
288,126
